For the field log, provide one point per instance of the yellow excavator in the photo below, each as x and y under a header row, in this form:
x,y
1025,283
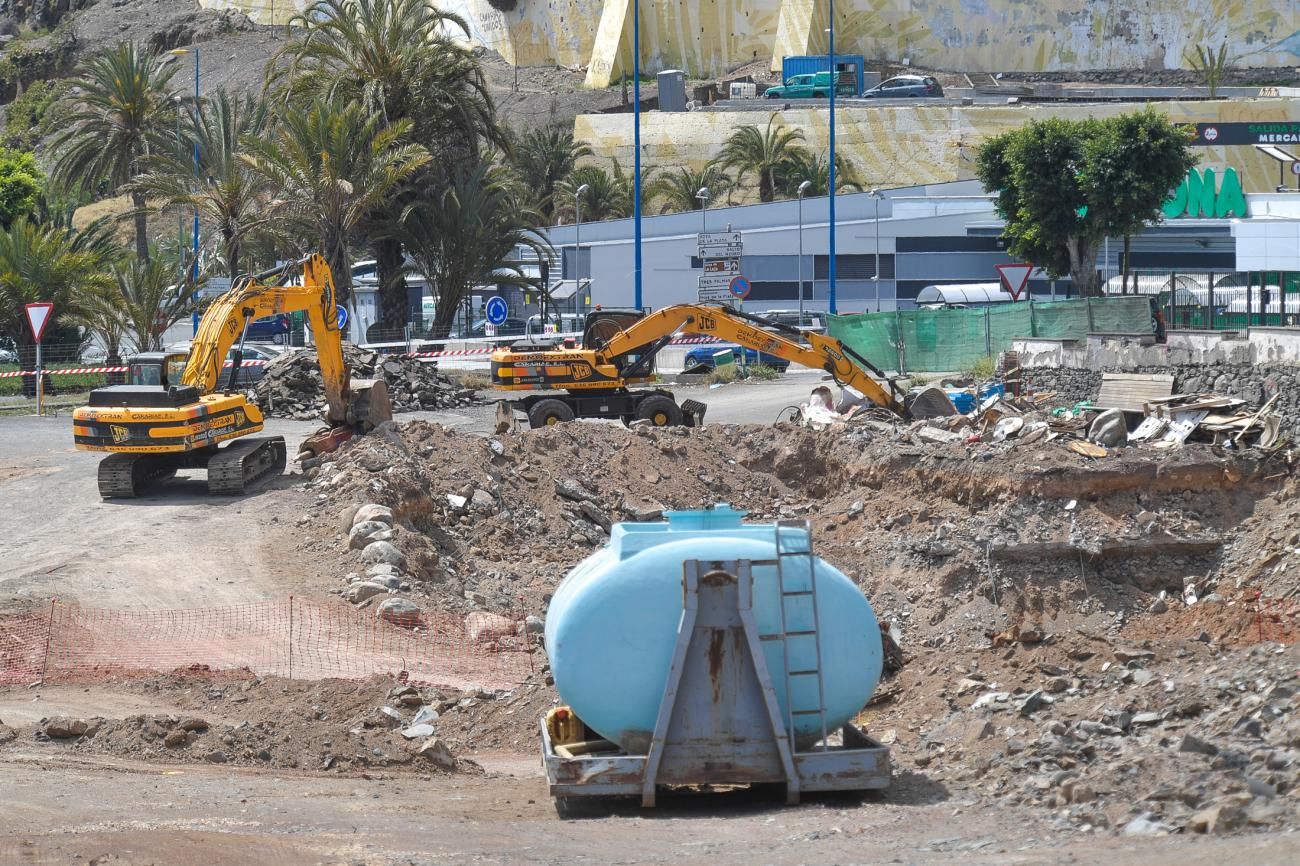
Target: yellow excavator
x,y
618,349
174,413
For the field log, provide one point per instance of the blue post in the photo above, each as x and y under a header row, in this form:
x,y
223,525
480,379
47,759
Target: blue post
x,y
636,152
830,273
195,270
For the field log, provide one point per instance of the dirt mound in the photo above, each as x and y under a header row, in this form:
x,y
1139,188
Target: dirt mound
x,y
292,386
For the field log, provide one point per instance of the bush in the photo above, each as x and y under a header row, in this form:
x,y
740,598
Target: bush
x,y
722,375
476,379
981,370
764,373
33,114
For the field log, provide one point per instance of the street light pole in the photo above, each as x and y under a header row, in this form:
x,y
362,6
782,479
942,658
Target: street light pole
x,y
876,196
803,188
831,191
577,235
636,151
703,195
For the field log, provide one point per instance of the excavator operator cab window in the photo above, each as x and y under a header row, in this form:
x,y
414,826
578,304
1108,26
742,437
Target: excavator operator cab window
x,y
146,374
175,368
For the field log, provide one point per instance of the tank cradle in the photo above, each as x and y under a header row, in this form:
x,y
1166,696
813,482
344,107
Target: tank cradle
x,y
719,721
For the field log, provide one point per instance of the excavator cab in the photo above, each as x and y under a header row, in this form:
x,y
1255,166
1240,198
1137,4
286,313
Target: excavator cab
x,y
160,369
603,324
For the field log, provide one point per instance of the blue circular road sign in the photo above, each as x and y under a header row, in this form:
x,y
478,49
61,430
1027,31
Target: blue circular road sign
x,y
497,310
739,287
343,318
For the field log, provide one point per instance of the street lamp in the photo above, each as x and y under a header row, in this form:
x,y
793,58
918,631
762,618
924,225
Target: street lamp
x,y
180,52
703,195
876,196
577,238
803,188
830,273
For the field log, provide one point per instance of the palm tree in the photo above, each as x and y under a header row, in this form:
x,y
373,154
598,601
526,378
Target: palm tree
x,y
42,263
232,196
609,194
331,165
148,299
542,158
121,115
764,153
398,60
464,234
677,191
804,165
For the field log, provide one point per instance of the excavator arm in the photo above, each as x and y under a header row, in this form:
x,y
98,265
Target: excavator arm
x,y
822,352
253,298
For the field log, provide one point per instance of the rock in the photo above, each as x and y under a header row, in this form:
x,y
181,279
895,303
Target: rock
x,y
488,626
1056,685
372,512
384,551
594,513
215,757
1146,824
534,624
64,728
644,513
567,488
1109,428
415,732
978,731
425,716
483,502
192,723
458,503
398,611
1220,818
1195,744
1031,703
856,508
347,517
175,739
1147,719
7,734
435,751
1129,654
364,533
359,592
382,569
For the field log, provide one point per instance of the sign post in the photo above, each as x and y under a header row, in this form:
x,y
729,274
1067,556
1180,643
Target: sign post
x,y
1015,278
38,316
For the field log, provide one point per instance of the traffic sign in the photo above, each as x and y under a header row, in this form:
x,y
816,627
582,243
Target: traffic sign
x,y
38,316
496,310
715,281
717,239
1015,278
708,296
1295,168
215,287
722,266
721,251
343,318
739,287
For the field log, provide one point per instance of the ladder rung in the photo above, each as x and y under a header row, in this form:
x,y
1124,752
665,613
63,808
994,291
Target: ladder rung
x,y
807,712
804,673
797,592
800,633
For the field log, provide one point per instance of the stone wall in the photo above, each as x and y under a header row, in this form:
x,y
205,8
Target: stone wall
x,y
1253,383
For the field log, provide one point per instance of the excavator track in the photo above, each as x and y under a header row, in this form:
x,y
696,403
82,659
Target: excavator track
x,y
124,476
241,465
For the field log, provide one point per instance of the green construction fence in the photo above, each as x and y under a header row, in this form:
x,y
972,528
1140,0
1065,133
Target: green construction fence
x,y
956,339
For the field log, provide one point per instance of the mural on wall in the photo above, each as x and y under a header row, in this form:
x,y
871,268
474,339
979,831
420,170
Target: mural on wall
x,y
707,38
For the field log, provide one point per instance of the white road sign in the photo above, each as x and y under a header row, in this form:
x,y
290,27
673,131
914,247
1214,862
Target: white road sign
x,y
719,252
717,239
215,287
708,296
715,281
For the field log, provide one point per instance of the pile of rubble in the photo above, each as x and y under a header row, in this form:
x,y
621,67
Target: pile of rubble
x,y
292,386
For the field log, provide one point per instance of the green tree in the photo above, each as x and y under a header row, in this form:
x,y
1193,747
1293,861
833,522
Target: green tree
x,y
42,263
397,60
464,234
121,112
542,158
804,165
609,193
21,185
763,153
148,299
676,191
1063,186
330,165
232,196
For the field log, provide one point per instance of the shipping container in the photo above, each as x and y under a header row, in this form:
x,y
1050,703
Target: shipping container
x,y
850,66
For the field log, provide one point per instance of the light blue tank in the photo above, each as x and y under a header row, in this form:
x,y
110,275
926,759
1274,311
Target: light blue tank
x,y
612,624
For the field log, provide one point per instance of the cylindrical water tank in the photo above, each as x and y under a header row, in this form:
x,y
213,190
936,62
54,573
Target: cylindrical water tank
x,y
613,622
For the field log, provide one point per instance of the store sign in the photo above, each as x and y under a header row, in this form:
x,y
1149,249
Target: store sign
x,y
1196,196
1222,134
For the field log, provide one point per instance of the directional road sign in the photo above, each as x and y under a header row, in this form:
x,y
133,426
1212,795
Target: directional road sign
x,y
721,252
739,287
722,266
496,310
1015,278
717,239
38,316
715,281
343,318
709,296
215,287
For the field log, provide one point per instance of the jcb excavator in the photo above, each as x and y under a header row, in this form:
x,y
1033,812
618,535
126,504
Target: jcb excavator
x,y
174,414
618,350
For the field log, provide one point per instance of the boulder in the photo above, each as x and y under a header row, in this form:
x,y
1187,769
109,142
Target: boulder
x,y
365,532
385,552
372,512
487,626
64,728
398,611
359,592
435,751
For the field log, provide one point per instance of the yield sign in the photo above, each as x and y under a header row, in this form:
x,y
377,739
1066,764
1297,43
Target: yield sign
x,y
1015,278
38,316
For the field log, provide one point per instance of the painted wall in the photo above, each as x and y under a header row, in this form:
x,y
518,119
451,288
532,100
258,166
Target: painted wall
x,y
914,144
709,37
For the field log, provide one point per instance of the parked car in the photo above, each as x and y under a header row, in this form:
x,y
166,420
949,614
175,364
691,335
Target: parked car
x,y
508,328
805,321
8,356
701,358
904,87
811,85
261,353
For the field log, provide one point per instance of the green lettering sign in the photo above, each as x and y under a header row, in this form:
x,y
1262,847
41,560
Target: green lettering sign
x,y
1196,196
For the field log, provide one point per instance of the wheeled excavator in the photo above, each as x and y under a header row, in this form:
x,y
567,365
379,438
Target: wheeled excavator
x,y
618,350
175,414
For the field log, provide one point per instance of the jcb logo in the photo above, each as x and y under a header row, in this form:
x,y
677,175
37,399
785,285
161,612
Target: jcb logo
x,y
708,323
580,371
120,433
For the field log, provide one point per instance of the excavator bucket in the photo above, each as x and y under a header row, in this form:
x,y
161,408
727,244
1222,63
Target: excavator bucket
x,y
368,405
693,413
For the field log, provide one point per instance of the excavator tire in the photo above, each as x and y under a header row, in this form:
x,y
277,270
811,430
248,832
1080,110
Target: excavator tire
x,y
546,413
125,476
240,466
660,411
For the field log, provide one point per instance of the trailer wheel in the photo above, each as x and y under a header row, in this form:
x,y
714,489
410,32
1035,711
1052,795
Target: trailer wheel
x,y
660,411
546,413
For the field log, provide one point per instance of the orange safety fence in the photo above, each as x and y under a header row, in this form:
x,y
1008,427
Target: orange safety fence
x,y
291,638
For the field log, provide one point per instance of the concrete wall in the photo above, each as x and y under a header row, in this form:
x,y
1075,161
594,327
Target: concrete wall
x,y
1256,346
911,144
709,37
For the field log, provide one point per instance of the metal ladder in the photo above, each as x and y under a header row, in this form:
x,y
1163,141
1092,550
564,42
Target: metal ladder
x,y
794,558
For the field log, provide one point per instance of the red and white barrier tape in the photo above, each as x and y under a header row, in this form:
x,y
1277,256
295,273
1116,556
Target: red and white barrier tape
x,y
85,370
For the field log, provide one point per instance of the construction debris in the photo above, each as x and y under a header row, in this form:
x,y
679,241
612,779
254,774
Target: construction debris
x,y
292,386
